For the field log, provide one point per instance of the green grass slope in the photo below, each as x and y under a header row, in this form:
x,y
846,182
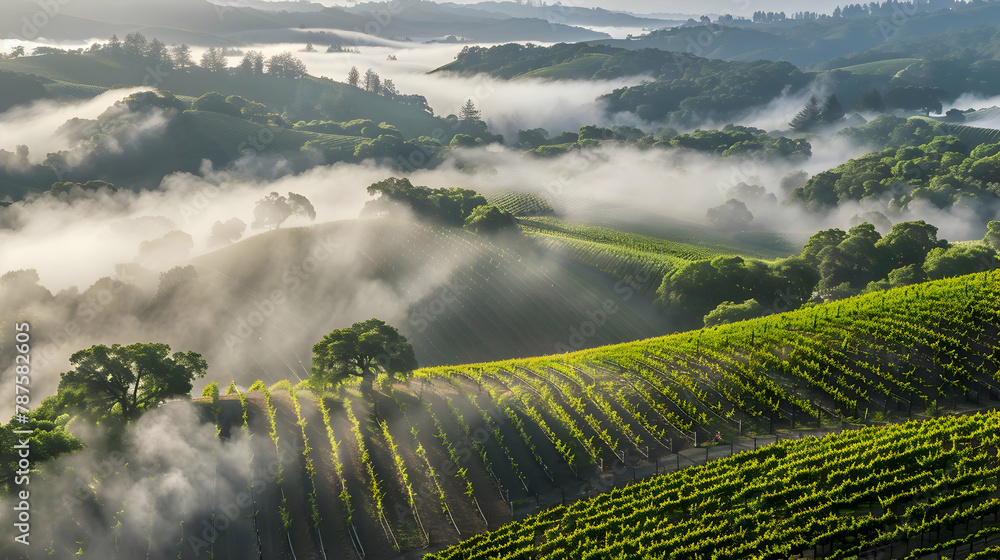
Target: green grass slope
x,y
881,68
234,133
581,68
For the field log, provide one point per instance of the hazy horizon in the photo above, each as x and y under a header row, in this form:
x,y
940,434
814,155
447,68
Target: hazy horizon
x,y
691,7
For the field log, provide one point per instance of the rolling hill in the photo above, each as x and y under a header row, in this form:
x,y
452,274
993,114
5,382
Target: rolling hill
x,y
877,491
463,298
307,98
199,22
882,67
394,466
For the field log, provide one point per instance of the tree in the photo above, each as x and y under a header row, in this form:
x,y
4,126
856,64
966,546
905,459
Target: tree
x,y
124,381
272,210
593,132
871,100
832,110
214,60
733,215
114,46
389,89
463,141
353,77
252,64
531,139
158,55
135,46
944,262
215,102
172,247
992,237
17,51
469,113
182,56
309,48
372,83
361,349
856,260
808,117
908,243
487,219
225,233
729,312
286,65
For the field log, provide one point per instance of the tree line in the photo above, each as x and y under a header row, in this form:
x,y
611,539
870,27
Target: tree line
x,y
137,49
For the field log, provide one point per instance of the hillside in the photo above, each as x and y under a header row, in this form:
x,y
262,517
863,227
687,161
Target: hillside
x,y
395,466
687,87
307,98
199,22
889,67
874,491
623,254
457,297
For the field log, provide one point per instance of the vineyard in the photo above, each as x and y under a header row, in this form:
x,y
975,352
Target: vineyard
x,y
906,491
382,466
624,255
972,135
73,90
520,204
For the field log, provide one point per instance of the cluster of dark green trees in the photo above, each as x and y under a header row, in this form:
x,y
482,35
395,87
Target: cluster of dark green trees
x,y
114,385
731,141
108,385
861,259
694,289
686,88
834,264
137,49
453,207
237,106
694,89
941,172
816,113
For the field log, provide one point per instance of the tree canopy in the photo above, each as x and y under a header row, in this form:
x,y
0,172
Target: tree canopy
x,y
488,219
362,349
122,382
450,206
272,210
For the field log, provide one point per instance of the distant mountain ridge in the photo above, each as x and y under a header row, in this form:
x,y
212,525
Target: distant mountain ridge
x,y
199,22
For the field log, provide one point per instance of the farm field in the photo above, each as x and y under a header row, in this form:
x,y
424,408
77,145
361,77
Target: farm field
x,y
625,255
460,450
